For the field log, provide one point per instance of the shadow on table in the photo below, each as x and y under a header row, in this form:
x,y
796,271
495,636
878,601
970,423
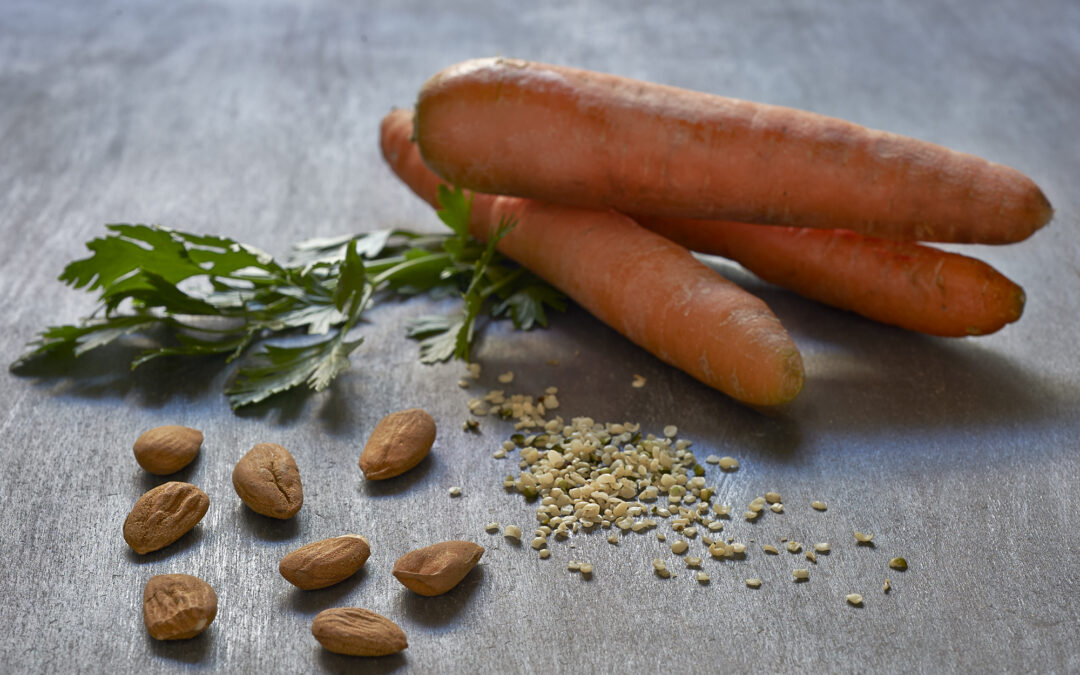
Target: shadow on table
x,y
860,375
313,602
189,540
441,610
183,651
402,483
267,528
338,663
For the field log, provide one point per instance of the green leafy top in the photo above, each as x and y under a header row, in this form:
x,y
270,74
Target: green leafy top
x,y
218,297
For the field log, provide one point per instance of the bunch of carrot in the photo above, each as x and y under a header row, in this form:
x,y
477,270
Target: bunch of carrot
x,y
613,181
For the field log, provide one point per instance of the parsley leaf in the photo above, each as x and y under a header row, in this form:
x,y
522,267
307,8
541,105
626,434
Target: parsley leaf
x,y
191,295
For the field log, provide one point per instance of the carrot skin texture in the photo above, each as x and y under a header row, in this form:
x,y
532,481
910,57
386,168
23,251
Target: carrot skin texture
x,y
646,287
904,284
595,140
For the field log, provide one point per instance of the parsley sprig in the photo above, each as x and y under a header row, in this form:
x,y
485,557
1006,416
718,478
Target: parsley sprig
x,y
196,295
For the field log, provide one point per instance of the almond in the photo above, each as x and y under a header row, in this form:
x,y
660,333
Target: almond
x,y
398,443
436,569
357,632
163,515
326,562
167,449
178,606
268,481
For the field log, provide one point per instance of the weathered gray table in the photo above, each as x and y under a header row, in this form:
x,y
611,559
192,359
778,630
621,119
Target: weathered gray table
x,y
258,120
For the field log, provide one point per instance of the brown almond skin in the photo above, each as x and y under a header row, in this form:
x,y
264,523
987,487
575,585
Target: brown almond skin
x,y
167,449
326,562
357,632
399,442
178,606
436,569
163,515
268,481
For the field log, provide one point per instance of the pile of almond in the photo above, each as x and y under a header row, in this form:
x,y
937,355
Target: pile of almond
x,y
267,480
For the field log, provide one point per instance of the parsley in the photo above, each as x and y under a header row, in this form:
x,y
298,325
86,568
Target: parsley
x,y
198,296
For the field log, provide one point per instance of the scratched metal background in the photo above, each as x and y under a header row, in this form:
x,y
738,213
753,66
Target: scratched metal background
x,y
258,120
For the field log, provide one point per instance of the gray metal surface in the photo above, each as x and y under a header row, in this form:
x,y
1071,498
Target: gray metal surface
x,y
258,120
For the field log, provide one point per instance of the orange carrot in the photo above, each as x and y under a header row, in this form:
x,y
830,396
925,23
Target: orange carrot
x,y
646,287
900,283
595,140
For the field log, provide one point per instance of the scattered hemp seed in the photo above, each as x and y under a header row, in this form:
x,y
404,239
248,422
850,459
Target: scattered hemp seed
x,y
854,599
738,549
671,430
752,515
729,464
818,506
702,578
770,549
545,553
661,568
463,383
887,586
712,459
811,556
573,566
776,508
586,569
507,377
794,547
660,536
864,538
693,561
679,547
499,454
773,497
800,574
722,510
757,504
613,538
455,491
821,547
898,564
474,370
470,425
638,382
753,583
492,527
512,531
539,543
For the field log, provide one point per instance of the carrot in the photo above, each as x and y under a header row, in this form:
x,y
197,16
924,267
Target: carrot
x,y
595,140
646,287
900,283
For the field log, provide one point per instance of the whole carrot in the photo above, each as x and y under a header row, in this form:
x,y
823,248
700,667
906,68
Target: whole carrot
x,y
900,283
595,140
646,287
